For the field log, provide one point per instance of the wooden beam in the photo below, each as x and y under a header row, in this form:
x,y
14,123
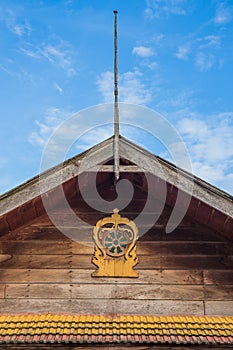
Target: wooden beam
x,y
103,306
80,276
111,169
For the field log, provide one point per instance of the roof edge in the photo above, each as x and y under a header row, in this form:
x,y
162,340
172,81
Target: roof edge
x,y
62,328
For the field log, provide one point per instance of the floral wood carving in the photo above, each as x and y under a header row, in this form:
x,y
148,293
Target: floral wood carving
x,y
115,240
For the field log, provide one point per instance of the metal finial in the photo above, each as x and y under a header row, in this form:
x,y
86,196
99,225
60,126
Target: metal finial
x,y
116,108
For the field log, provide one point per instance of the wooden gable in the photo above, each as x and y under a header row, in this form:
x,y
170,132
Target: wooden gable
x,y
186,272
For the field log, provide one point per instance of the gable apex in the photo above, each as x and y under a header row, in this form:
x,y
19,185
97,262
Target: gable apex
x,y
142,161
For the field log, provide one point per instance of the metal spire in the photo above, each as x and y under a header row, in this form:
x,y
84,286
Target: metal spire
x,y
116,108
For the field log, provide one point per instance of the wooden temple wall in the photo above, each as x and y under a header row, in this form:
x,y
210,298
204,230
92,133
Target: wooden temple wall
x,y
187,272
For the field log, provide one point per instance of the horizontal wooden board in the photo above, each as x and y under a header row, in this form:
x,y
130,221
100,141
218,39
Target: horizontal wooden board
x,y
154,234
101,306
4,257
219,292
36,247
43,229
218,308
187,262
183,248
37,261
145,262
218,277
93,346
35,275
190,277
2,291
181,233
40,291
50,247
118,291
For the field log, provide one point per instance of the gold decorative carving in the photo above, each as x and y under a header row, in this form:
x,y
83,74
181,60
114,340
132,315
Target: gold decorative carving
x,y
115,240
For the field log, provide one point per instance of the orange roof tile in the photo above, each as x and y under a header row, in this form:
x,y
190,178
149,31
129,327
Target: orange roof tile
x,y
51,328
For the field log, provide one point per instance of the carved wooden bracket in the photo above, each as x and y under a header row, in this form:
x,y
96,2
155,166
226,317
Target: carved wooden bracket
x,y
115,240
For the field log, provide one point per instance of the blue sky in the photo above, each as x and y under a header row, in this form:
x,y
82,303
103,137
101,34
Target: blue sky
x,y
175,56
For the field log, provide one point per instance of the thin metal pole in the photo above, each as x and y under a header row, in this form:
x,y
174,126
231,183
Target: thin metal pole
x,y
116,107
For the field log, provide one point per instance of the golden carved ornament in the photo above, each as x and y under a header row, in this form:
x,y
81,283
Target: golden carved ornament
x,y
115,240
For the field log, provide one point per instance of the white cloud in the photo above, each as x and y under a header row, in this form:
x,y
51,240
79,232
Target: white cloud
x,y
133,90
58,88
157,8
224,13
203,51
58,54
93,137
182,53
210,41
143,51
178,102
53,117
190,127
105,83
31,53
211,148
131,87
204,61
6,70
15,26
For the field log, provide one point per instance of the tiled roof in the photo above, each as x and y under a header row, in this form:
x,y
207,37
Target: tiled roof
x,y
51,328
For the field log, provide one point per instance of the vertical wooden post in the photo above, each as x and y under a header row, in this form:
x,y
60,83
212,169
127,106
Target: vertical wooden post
x,y
116,107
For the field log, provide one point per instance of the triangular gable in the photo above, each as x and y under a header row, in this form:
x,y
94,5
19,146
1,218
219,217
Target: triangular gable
x,y
216,205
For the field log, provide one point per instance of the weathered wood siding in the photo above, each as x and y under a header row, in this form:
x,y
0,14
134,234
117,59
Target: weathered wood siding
x,y
189,271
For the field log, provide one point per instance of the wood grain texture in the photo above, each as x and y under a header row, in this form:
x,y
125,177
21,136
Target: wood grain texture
x,y
117,291
186,272
53,247
2,290
83,261
107,347
218,277
181,277
103,306
214,308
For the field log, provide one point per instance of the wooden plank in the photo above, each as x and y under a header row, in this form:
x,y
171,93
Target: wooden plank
x,y
103,346
190,277
183,247
37,247
219,292
44,231
2,291
219,308
37,261
180,292
184,233
4,257
218,277
41,233
14,275
102,306
83,261
34,276
105,291
40,291
186,262
93,346
4,226
110,169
